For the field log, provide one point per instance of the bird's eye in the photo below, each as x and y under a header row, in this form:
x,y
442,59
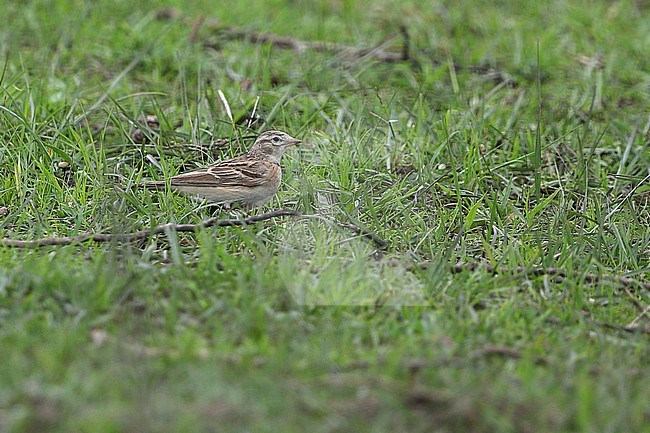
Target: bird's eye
x,y
275,139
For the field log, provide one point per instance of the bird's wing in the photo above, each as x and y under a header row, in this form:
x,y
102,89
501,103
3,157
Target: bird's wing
x,y
240,171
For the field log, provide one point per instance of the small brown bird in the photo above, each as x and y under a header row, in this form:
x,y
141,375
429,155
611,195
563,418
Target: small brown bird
x,y
251,179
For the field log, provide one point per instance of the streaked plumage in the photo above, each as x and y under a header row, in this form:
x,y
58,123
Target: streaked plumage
x,y
251,179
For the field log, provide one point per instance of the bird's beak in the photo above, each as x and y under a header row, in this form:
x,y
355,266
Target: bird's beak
x,y
294,142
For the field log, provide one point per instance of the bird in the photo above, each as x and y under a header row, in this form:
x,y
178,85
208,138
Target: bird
x,y
250,180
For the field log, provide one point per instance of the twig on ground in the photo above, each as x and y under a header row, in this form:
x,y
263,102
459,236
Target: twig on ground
x,y
378,52
645,313
627,328
558,272
144,234
195,30
286,42
406,42
635,301
416,365
382,244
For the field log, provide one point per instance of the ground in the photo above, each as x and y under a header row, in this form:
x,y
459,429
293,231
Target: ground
x,y
466,246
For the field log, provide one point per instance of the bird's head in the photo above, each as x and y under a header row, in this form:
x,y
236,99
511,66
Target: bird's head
x,y
271,145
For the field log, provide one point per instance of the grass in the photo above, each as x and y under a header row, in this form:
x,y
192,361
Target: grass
x,y
516,136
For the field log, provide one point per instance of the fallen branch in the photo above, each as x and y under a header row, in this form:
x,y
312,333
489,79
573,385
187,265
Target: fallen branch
x,y
404,54
558,272
645,313
286,42
415,365
636,302
146,233
382,244
278,41
627,328
195,30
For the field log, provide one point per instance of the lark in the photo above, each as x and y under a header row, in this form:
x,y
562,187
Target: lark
x,y
250,180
